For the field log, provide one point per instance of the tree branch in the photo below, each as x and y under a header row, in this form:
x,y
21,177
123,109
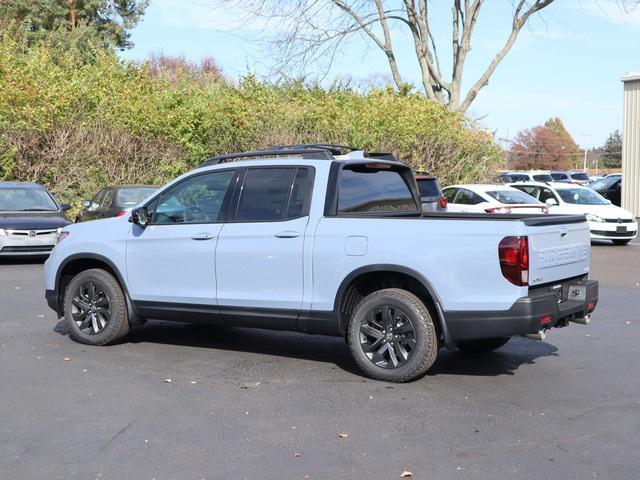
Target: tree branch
x,y
519,19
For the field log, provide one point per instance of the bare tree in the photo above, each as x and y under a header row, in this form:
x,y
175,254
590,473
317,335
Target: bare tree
x,y
312,31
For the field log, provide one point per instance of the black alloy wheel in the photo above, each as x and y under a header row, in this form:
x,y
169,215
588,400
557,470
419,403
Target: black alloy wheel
x,y
387,336
91,308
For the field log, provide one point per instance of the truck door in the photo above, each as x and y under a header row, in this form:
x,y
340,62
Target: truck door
x,y
259,256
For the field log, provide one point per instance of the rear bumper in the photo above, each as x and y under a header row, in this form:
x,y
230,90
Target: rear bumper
x,y
539,310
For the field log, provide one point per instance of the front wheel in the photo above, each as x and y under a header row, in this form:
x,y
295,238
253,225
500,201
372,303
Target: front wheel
x,y
621,242
95,308
484,345
392,336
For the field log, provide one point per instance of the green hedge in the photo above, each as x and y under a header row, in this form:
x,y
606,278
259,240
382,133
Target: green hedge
x,y
75,125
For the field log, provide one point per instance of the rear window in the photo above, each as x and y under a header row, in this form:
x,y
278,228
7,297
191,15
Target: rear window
x,y
428,187
372,188
512,197
128,197
518,177
605,183
580,176
559,176
543,177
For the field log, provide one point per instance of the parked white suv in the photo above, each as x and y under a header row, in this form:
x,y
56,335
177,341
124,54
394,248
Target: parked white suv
x,y
313,240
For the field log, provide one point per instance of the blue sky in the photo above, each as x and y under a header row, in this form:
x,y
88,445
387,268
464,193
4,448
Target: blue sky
x,y
567,62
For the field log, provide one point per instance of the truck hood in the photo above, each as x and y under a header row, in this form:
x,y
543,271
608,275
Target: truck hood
x,y
32,220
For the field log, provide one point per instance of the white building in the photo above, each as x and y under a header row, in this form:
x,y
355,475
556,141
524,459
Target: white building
x,y
631,145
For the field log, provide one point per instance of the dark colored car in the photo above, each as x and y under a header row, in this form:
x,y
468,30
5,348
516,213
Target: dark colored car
x,y
114,201
30,219
610,187
430,193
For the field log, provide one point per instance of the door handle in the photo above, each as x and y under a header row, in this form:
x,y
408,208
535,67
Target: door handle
x,y
287,234
202,236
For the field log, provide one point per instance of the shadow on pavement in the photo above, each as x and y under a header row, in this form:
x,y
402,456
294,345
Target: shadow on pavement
x,y
327,349
504,361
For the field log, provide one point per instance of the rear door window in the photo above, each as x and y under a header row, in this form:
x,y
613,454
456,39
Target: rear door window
x,y
450,194
265,194
467,197
374,188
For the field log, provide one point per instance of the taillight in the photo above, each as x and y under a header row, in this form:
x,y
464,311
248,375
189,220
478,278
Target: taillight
x,y
513,253
122,213
498,210
443,202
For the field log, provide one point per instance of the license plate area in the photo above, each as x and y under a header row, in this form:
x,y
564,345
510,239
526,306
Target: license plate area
x,y
621,229
577,293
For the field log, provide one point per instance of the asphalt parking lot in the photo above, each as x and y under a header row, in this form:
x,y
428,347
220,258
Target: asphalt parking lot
x,y
266,405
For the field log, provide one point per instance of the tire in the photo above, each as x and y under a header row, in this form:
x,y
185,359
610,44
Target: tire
x,y
483,346
621,242
412,338
95,315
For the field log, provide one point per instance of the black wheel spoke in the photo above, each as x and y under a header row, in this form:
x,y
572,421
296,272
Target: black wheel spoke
x,y
371,331
92,291
404,328
102,302
80,303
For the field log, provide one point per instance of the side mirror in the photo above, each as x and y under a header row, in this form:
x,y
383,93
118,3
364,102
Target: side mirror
x,y
86,203
140,216
551,202
65,206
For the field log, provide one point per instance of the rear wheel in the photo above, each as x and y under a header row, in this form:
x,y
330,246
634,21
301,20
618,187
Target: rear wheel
x,y
392,336
484,345
95,308
621,242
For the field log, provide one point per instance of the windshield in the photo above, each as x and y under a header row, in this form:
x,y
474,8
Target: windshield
x,y
559,176
581,196
26,200
513,197
128,197
604,183
543,177
518,177
580,176
428,187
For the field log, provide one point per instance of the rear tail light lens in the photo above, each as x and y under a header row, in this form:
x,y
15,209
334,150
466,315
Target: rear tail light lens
x,y
121,213
443,202
498,210
513,253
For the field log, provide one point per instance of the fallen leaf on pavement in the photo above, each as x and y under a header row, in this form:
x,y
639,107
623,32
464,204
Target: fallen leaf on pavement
x,y
343,435
67,359
405,474
167,380
297,454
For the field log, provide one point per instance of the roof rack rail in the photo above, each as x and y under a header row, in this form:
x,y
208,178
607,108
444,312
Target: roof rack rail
x,y
335,149
316,154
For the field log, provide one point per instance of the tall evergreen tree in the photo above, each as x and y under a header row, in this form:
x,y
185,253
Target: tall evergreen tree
x,y
99,23
612,151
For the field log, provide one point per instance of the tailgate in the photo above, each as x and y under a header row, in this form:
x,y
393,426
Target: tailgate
x,y
558,251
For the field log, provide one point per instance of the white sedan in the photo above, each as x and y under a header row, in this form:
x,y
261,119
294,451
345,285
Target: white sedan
x,y
606,221
491,199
